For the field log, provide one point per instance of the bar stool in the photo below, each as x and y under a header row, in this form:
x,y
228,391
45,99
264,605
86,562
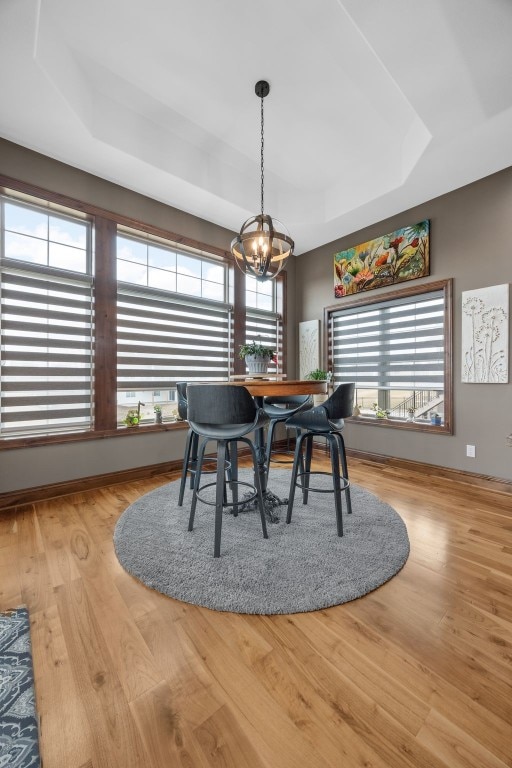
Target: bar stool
x,y
326,420
279,408
226,414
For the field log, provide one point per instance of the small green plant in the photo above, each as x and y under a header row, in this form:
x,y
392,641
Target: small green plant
x,y
257,349
132,418
319,375
157,409
380,413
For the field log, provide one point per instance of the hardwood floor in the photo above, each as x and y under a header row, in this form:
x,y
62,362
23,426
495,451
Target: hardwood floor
x,y
416,674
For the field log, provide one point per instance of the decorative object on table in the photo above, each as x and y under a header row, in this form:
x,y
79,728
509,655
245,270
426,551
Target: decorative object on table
x,y
485,318
320,375
309,346
410,414
393,258
19,740
263,245
158,414
257,357
356,412
300,567
435,419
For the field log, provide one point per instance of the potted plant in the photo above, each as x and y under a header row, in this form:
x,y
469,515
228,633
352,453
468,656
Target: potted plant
x,y
410,414
158,413
257,357
435,418
380,413
320,375
132,418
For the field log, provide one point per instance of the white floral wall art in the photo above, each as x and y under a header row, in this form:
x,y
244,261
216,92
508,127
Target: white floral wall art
x,y
485,319
309,347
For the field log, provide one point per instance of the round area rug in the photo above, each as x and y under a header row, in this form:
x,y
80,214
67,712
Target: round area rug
x,y
303,566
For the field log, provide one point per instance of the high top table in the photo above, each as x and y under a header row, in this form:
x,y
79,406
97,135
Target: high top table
x,y
267,386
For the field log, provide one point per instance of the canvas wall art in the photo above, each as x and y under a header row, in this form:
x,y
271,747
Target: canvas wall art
x,y
309,347
393,258
485,314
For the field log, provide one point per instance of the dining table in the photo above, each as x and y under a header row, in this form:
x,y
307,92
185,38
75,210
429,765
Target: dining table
x,y
260,387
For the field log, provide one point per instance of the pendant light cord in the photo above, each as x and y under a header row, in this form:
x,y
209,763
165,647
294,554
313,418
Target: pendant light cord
x,y
262,169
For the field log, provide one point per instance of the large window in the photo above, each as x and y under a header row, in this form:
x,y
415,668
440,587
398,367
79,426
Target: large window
x,y
46,321
397,350
101,314
173,322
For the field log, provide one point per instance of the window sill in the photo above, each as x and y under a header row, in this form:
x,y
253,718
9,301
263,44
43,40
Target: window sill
x,y
7,443
414,426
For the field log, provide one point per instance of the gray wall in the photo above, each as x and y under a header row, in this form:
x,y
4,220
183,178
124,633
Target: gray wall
x,y
470,241
40,465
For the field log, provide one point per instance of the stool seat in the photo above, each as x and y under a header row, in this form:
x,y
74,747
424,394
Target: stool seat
x,y
326,420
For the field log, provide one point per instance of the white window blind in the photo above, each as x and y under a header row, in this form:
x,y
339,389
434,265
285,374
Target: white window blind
x,y
164,338
394,344
46,349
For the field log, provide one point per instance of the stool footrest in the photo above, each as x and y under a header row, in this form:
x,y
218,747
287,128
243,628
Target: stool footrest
x,y
344,483
230,483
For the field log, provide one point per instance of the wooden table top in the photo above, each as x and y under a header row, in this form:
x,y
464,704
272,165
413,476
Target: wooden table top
x,y
263,387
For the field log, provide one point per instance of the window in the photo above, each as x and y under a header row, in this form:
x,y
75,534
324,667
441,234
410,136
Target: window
x,y
101,314
46,320
173,321
397,350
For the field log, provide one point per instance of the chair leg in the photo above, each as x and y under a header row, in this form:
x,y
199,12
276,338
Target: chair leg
x,y
233,475
186,464
307,470
270,438
335,465
343,457
259,491
193,457
297,462
197,480
219,495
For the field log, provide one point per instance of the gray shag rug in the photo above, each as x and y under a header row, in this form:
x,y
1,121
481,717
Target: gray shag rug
x,y
303,566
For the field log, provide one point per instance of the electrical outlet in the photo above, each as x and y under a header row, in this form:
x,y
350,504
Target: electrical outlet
x,y
470,451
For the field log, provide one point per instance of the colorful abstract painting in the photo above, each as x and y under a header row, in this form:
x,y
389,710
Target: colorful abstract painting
x,y
401,255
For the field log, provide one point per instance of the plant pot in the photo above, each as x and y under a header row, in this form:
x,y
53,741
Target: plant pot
x,y
319,399
158,417
257,364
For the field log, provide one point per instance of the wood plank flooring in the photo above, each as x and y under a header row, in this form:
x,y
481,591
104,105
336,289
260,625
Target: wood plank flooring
x,y
417,674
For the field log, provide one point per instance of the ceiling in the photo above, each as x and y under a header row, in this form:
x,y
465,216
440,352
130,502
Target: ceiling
x,y
375,105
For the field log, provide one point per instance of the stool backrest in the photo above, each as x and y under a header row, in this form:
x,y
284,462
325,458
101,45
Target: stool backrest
x,y
220,404
340,404
181,389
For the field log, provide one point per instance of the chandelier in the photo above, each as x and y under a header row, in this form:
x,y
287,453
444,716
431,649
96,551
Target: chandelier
x,y
263,245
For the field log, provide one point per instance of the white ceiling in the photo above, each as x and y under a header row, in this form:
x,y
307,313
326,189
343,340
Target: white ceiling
x,y
375,105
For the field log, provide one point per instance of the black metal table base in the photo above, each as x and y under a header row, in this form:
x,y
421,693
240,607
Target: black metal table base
x,y
270,503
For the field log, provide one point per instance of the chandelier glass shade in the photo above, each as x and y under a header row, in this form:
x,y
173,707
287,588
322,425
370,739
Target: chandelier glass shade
x,y
263,244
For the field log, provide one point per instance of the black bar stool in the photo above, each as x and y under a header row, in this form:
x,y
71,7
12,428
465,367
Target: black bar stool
x,y
226,414
190,455
326,420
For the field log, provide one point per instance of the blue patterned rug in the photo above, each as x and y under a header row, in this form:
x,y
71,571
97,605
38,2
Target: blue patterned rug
x,y
19,741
